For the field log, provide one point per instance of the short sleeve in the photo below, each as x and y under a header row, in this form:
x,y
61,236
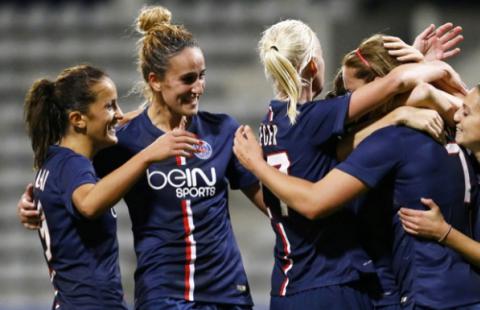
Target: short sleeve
x,y
326,119
76,171
237,175
375,157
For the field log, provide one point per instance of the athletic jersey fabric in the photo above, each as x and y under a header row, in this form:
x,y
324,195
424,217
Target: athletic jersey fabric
x,y
183,237
429,274
309,254
82,254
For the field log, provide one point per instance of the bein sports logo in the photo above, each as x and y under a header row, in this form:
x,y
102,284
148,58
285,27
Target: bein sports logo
x,y
204,150
185,181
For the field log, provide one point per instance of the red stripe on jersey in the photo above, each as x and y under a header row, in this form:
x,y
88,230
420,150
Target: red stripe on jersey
x,y
186,226
289,263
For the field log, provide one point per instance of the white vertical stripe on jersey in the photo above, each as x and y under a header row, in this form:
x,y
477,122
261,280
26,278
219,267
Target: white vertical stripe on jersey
x,y
286,268
453,148
466,176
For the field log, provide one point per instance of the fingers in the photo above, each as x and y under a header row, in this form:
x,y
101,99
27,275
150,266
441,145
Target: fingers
x,y
410,228
239,132
429,203
248,133
177,132
448,33
451,53
391,39
427,33
409,58
445,28
29,190
183,123
394,45
407,212
452,42
434,132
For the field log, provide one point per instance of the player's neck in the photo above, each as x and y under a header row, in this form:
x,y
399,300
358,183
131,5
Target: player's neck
x,y
306,95
163,117
80,144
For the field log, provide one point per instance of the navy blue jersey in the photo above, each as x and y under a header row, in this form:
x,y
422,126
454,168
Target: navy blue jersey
x,y
429,274
82,254
376,237
179,211
309,254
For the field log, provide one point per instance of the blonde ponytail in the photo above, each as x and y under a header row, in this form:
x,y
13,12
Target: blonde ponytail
x,y
285,50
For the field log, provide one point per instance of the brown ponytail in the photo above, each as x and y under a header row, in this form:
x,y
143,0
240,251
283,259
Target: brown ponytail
x,y
48,103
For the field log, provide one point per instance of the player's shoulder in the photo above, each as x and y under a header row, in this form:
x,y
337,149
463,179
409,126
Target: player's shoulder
x,y
61,155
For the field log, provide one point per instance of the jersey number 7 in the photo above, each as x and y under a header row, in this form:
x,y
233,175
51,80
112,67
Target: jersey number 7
x,y
282,163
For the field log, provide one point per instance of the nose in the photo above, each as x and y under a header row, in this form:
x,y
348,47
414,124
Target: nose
x,y
118,114
198,87
457,117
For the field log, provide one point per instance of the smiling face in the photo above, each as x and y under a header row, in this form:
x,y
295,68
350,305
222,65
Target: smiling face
x,y
103,114
468,121
184,82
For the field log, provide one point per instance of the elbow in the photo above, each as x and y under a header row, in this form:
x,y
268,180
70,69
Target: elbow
x,y
425,90
309,210
88,212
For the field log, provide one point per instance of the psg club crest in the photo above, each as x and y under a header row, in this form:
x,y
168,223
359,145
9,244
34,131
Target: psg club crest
x,y
204,150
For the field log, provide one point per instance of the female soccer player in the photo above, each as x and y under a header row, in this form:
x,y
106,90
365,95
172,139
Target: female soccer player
x,y
187,255
69,120
431,224
406,162
318,264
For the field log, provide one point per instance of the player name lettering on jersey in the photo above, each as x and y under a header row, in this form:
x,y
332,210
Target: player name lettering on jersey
x,y
41,179
185,181
268,134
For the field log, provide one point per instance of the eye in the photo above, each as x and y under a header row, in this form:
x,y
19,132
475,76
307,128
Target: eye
x,y
190,78
110,106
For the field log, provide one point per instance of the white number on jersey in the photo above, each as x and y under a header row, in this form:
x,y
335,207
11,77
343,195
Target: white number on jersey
x,y
45,234
282,163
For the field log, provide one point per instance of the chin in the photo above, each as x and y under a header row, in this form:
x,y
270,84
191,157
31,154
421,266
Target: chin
x,y
191,112
111,141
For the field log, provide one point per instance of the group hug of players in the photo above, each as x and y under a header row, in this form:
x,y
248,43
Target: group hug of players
x,y
372,192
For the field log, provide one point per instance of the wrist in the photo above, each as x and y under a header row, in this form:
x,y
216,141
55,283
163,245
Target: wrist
x,y
399,116
446,229
259,167
144,156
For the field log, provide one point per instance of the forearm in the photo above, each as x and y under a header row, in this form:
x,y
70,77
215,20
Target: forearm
x,y
312,200
427,96
467,247
295,192
110,189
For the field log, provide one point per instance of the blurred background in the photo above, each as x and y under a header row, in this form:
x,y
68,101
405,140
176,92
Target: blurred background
x,y
40,38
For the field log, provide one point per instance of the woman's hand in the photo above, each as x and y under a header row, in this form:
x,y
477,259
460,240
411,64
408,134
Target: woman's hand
x,y
27,213
428,224
425,120
246,148
401,50
439,43
177,142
